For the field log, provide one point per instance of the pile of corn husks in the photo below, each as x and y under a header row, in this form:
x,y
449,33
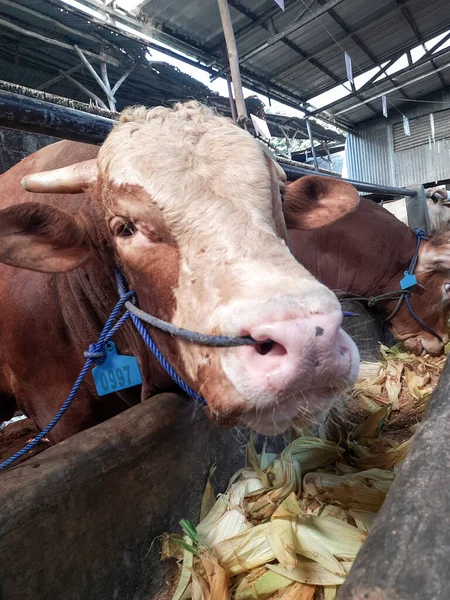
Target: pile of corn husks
x,y
289,526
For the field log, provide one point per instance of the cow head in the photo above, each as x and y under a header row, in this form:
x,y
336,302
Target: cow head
x,y
430,300
192,209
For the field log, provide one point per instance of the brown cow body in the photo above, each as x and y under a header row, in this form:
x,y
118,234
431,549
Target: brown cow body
x,y
365,254
188,206
53,319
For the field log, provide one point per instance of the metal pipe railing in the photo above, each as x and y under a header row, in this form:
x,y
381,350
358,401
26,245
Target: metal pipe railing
x,y
46,118
296,172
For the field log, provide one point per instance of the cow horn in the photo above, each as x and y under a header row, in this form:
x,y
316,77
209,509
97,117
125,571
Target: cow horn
x,y
68,180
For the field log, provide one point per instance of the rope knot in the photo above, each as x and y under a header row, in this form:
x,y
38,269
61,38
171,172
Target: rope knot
x,y
96,352
372,301
420,234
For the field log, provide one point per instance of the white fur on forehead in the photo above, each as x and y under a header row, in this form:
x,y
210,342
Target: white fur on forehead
x,y
188,140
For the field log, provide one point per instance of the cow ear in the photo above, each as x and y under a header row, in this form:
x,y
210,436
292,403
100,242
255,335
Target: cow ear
x,y
313,202
42,238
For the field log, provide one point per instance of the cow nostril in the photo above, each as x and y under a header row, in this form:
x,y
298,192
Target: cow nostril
x,y
264,347
319,331
270,347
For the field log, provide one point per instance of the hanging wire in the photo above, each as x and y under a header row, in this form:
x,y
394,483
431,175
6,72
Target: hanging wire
x,y
353,62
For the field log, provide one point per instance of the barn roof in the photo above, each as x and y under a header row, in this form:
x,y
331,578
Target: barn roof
x,y
298,54
37,40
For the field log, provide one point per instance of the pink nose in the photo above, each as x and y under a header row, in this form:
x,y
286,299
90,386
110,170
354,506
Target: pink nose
x,y
305,353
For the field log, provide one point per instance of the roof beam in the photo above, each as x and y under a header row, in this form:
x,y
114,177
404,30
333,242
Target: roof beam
x,y
357,40
265,25
265,16
292,28
394,89
254,18
43,38
409,18
54,22
212,64
367,21
419,63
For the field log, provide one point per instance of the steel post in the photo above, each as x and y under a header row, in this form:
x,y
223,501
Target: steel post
x,y
417,209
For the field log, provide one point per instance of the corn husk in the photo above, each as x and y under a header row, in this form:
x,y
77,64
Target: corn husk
x,y
216,577
200,589
263,585
363,519
369,371
372,425
209,498
205,527
289,526
281,534
384,460
186,572
349,493
341,539
238,491
394,372
230,524
312,453
245,551
311,573
329,592
285,477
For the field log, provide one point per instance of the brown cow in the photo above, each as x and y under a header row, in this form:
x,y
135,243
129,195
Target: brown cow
x,y
188,206
366,253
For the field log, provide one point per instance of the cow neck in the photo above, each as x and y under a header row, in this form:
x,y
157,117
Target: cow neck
x,y
363,254
87,296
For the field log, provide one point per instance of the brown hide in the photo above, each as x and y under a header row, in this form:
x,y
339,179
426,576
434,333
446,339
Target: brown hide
x,y
365,254
49,319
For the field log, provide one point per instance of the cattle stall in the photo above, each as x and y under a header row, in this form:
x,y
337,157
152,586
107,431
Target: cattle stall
x,y
81,518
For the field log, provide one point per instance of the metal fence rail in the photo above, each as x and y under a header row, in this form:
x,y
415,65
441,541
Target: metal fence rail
x,y
37,116
296,172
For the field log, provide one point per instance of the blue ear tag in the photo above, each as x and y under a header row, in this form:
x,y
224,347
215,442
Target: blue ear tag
x,y
408,281
117,373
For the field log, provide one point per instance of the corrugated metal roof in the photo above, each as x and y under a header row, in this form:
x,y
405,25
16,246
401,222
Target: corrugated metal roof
x,y
32,61
308,61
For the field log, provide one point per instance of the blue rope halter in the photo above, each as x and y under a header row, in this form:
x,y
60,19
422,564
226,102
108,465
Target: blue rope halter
x,y
96,353
405,294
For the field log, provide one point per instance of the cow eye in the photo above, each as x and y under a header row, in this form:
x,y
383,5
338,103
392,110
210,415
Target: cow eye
x,y
447,288
282,197
124,228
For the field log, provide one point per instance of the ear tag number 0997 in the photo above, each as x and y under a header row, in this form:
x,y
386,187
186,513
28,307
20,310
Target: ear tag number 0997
x,y
117,373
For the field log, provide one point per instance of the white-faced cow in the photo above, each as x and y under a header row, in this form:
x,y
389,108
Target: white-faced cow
x,y
188,206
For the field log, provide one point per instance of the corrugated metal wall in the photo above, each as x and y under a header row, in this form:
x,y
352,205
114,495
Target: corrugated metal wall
x,y
370,151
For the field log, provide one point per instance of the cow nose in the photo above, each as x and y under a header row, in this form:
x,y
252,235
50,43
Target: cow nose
x,y
308,353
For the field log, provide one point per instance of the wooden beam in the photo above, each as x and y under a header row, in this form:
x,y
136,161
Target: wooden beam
x,y
233,58
98,79
59,77
55,23
47,40
405,556
84,89
122,78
